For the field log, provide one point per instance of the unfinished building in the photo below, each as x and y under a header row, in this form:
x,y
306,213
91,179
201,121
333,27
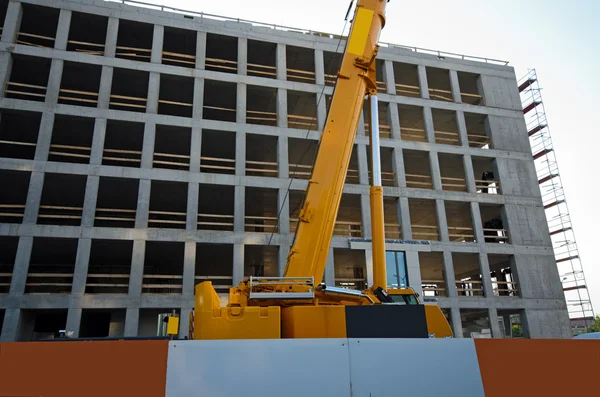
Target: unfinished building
x,y
143,152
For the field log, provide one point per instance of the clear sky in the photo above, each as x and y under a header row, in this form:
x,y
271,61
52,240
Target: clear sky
x,y
560,39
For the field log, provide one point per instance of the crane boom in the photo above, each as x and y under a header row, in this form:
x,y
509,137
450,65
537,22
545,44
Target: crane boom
x,y
356,78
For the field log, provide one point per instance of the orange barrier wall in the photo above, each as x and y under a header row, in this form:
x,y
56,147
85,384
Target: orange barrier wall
x,y
539,367
90,369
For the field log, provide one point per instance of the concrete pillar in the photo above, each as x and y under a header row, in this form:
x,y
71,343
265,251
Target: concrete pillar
x,y
282,111
369,266
282,156
281,62
242,56
189,269
494,323
413,271
5,69
449,275
319,68
239,210
82,260
198,105
98,142
74,321
44,137
89,201
389,78
477,223
321,111
62,31
143,205
363,164
132,319
192,207
428,124
442,221
456,322
398,166
283,252
240,153
105,87
360,131
462,128
148,145
469,173
436,175
394,120
200,50
136,275
485,273
283,205
34,197
238,263
240,111
153,93
110,46
157,44
365,210
11,325
53,89
423,81
195,149
455,86
329,276
404,214
12,21
21,268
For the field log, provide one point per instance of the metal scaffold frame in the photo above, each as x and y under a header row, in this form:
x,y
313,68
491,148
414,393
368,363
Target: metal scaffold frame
x,y
567,256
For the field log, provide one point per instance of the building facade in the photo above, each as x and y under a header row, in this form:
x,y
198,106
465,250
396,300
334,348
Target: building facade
x,y
143,151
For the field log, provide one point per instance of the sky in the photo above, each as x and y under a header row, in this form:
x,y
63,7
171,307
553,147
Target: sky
x,y
560,39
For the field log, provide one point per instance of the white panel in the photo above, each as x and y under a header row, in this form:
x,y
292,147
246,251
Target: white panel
x,y
414,367
280,367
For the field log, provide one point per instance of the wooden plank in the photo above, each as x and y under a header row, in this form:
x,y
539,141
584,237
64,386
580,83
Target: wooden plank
x,y
37,36
18,143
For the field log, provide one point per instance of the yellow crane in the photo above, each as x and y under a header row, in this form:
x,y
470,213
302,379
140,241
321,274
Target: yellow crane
x,y
297,305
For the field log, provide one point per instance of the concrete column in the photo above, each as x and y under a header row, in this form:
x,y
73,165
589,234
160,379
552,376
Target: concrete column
x,y
282,111
281,62
360,131
198,105
363,164
282,157
319,68
389,78
449,275
89,201
240,153
283,205
12,21
455,86
153,93
456,322
477,223
462,128
74,321
136,275
398,166
157,44
21,268
469,173
5,70
242,56
98,142
195,149
192,207
486,277
240,111
329,276
148,145
369,266
183,322
189,268
10,327
62,31
413,271
112,32
365,209
105,87
394,120
436,175
82,260
494,323
321,111
428,124
44,137
238,263
283,252
442,221
34,197
404,214
200,50
53,89
239,210
132,319
423,81
143,205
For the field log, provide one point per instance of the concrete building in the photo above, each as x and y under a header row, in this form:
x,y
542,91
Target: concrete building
x,y
143,151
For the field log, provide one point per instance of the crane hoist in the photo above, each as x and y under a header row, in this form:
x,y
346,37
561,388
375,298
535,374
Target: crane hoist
x,y
298,305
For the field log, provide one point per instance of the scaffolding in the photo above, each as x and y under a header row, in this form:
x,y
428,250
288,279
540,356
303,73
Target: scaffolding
x,y
566,253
